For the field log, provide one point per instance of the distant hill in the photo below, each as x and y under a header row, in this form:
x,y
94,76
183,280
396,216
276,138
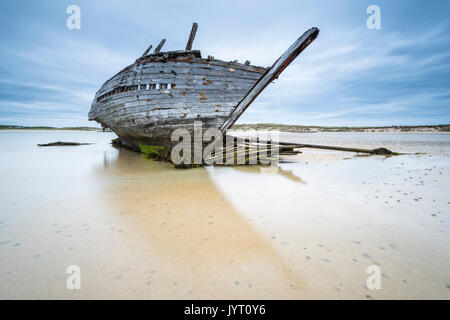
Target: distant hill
x,y
312,129
275,126
10,127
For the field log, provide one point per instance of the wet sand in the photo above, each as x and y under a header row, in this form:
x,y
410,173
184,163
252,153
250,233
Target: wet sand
x,y
140,229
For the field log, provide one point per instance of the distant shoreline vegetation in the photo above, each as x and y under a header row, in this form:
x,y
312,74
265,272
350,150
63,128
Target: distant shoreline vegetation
x,y
10,127
312,129
273,126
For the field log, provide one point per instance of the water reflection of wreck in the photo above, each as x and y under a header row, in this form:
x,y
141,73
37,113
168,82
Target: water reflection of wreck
x,y
163,91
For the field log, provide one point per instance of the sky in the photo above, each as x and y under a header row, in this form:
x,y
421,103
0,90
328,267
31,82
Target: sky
x,y
350,76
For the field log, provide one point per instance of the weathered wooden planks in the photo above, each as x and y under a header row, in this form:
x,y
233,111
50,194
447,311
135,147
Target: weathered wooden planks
x,y
213,98
178,73
197,88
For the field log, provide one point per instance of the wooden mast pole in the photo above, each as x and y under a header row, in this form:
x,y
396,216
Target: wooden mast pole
x,y
191,36
147,51
160,45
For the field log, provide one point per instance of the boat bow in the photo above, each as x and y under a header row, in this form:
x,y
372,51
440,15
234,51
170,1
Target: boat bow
x,y
271,74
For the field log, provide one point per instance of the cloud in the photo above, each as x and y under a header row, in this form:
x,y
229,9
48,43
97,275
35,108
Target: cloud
x,y
349,76
356,76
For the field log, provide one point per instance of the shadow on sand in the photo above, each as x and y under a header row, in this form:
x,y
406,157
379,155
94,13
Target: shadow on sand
x,y
186,220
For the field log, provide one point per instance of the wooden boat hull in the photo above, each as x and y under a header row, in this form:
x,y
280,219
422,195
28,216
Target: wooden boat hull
x,y
147,100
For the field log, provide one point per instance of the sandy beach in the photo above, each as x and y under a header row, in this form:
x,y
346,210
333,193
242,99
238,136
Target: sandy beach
x,y
308,229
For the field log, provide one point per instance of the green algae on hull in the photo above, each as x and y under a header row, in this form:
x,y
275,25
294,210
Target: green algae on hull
x,y
163,153
154,151
115,142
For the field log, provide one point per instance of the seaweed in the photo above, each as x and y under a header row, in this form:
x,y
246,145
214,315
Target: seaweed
x,y
62,143
154,151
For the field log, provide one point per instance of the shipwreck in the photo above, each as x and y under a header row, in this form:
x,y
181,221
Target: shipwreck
x,y
162,91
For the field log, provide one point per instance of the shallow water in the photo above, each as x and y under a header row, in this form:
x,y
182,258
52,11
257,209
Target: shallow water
x,y
138,228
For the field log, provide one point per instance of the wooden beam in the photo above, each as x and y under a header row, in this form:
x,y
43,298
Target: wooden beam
x,y
192,36
290,145
147,51
271,74
160,45
378,151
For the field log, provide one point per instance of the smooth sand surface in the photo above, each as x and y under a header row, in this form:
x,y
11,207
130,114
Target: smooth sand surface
x,y
140,229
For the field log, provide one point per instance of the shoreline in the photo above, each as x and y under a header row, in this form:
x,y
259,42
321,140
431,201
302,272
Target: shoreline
x,y
444,128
